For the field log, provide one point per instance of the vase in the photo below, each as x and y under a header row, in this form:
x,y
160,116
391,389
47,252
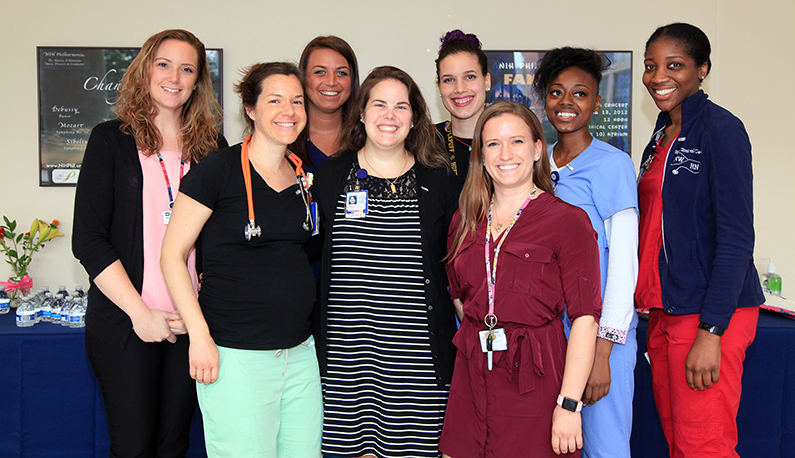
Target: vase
x,y
16,296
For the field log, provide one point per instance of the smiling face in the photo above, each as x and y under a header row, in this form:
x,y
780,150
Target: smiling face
x,y
509,152
279,114
671,75
387,116
328,80
173,75
462,85
572,97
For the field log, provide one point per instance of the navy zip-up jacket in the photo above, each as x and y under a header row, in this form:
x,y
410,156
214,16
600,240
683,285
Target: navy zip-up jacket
x,y
706,260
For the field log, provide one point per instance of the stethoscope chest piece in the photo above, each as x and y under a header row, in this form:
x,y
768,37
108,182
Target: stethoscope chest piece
x,y
252,230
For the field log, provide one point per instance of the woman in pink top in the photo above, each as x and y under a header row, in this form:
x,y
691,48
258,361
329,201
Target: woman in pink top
x,y
131,170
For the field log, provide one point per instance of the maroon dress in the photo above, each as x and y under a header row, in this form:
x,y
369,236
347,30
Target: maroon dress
x,y
549,261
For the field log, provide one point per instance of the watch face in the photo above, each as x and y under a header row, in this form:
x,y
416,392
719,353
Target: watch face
x,y
569,404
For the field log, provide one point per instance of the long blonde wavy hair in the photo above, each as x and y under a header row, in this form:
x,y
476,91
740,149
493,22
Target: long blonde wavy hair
x,y
201,114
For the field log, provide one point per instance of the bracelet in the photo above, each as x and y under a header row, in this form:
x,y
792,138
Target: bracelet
x,y
569,404
711,329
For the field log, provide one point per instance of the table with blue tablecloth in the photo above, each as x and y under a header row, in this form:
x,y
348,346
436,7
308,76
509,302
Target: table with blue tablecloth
x,y
50,405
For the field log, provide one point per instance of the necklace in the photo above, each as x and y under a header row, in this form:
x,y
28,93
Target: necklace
x,y
391,182
498,227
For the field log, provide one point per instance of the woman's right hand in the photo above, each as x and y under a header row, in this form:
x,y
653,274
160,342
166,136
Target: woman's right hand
x,y
153,325
203,359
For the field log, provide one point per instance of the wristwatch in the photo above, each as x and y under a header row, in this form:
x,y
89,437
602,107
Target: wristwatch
x,y
711,329
569,404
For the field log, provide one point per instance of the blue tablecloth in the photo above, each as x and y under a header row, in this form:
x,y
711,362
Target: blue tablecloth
x,y
50,404
766,420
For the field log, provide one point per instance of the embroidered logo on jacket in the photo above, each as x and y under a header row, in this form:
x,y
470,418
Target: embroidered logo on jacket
x,y
687,159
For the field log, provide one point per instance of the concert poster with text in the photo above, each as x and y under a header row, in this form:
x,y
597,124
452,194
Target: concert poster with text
x,y
512,74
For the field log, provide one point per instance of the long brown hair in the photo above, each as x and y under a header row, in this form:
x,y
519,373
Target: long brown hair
x,y
473,205
334,43
421,141
135,109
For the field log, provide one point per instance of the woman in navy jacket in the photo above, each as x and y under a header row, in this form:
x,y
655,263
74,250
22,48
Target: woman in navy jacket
x,y
696,275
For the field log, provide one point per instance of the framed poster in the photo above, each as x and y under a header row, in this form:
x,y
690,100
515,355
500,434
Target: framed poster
x,y
77,90
512,74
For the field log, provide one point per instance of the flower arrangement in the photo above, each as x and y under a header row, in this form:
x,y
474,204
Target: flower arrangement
x,y
19,249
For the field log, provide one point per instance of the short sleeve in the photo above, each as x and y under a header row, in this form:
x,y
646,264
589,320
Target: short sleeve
x,y
614,187
204,181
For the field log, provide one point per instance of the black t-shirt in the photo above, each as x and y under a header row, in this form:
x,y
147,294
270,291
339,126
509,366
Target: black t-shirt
x,y
459,157
255,294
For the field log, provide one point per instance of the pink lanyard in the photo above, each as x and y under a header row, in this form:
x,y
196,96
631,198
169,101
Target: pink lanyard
x,y
165,175
491,271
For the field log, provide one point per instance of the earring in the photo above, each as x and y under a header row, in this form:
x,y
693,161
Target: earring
x,y
361,120
596,112
412,125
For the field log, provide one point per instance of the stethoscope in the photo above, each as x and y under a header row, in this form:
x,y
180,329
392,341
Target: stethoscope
x,y
252,229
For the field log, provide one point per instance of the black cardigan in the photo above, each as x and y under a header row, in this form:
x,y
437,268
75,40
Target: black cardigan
x,y
437,191
108,223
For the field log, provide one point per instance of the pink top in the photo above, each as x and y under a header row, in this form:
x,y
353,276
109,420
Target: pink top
x,y
155,201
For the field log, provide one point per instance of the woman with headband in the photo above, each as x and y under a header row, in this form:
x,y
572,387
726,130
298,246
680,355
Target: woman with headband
x,y
251,349
463,78
600,179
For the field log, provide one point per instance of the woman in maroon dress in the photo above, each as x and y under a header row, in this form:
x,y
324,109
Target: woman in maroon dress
x,y
518,256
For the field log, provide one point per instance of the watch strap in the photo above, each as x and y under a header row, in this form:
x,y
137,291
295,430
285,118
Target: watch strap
x,y
711,329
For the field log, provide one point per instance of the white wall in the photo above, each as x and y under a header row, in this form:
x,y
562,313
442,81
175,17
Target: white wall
x,y
750,77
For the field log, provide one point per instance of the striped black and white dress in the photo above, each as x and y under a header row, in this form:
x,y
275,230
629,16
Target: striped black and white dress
x,y
380,392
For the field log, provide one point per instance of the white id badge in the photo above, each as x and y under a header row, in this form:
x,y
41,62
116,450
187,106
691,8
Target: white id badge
x,y
500,342
314,213
356,204
166,216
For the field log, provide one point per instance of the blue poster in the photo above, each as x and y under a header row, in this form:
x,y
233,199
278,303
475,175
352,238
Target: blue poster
x,y
512,74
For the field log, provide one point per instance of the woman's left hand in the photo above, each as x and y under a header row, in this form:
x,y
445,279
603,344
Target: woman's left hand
x,y
703,361
177,326
566,431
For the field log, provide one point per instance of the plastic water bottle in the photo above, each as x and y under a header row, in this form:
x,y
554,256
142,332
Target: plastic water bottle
x,y
36,301
55,309
62,290
5,301
68,302
46,306
77,314
26,314
78,291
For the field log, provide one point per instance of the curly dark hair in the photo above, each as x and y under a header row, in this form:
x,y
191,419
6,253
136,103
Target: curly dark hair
x,y
421,141
559,59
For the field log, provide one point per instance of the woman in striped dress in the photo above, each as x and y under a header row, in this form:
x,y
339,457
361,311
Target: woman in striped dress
x,y
384,323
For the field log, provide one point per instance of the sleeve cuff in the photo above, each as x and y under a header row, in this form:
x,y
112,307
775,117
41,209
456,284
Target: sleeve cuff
x,y
618,336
